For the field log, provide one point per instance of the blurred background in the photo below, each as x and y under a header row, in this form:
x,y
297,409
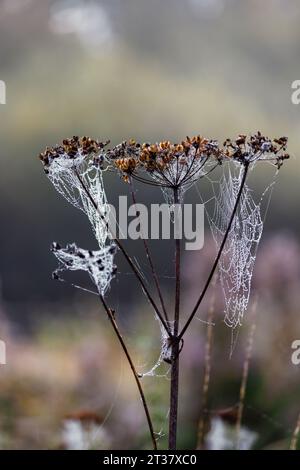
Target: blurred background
x,y
148,70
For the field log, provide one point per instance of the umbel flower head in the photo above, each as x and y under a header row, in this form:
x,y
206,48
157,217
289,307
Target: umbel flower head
x,y
99,264
71,152
256,147
179,165
169,165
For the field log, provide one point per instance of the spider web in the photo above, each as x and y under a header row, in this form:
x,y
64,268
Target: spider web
x,y
238,257
165,355
77,178
98,264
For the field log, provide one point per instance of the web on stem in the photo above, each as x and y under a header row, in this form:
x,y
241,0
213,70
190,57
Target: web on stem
x,y
72,178
165,352
98,264
238,257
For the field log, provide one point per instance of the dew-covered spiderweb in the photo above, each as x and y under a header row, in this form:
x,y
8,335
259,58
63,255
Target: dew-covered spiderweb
x,y
98,264
81,183
238,256
165,355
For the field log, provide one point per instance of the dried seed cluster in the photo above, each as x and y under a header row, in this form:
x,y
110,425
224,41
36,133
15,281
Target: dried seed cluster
x,y
177,164
171,164
163,153
125,157
246,149
71,149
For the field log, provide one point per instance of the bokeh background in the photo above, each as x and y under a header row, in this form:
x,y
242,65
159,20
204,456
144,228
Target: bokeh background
x,y
149,70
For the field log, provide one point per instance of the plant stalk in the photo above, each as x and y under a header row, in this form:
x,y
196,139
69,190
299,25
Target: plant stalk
x,y
207,372
112,320
174,387
295,437
151,264
246,367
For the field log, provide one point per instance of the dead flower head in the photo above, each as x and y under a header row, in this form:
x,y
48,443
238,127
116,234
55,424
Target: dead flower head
x,y
256,147
71,152
165,164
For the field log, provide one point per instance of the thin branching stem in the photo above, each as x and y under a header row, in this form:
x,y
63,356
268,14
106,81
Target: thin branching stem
x,y
207,370
112,320
128,259
150,261
209,279
174,387
111,317
245,375
295,437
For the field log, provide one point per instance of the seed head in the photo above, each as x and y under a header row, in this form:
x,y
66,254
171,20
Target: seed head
x,y
74,149
256,147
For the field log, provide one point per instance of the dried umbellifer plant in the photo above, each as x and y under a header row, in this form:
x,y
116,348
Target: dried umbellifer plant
x,y
77,169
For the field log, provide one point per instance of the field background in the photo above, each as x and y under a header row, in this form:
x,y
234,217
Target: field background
x,y
149,70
